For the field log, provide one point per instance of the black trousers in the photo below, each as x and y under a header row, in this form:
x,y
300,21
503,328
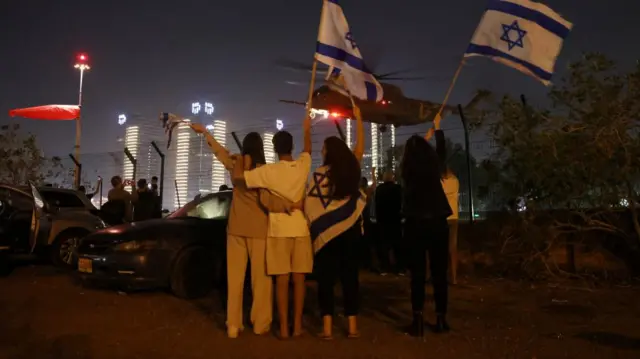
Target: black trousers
x,y
338,259
390,238
430,236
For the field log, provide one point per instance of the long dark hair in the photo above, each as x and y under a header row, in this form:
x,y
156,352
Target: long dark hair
x,y
252,145
344,169
420,163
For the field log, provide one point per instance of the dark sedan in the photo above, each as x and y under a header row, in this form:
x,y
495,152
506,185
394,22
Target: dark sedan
x,y
185,252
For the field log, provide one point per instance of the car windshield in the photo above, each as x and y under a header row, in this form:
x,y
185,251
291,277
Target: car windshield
x,y
211,206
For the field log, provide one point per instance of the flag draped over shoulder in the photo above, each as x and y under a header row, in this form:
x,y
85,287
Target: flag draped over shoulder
x,y
337,48
169,123
48,112
522,34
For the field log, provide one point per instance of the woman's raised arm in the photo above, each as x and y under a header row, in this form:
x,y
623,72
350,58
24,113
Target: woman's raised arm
x,y
221,153
306,126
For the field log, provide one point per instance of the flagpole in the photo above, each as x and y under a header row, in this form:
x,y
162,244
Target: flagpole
x,y
438,116
314,67
312,84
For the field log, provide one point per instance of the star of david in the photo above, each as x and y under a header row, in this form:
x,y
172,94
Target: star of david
x,y
506,32
352,41
316,191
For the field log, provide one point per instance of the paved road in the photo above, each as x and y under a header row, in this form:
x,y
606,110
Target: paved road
x,y
46,314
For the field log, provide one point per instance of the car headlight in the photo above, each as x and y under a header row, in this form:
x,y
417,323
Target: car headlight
x,y
133,246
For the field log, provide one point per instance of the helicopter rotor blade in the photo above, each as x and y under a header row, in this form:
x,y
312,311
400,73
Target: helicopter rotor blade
x,y
402,78
294,102
299,66
392,73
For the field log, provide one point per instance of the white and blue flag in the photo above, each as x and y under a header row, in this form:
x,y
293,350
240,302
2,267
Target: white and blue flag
x,y
337,49
523,34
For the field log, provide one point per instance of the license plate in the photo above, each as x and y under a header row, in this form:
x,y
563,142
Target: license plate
x,y
85,265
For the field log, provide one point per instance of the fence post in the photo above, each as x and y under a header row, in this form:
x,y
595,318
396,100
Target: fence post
x,y
175,183
134,162
161,154
78,171
468,149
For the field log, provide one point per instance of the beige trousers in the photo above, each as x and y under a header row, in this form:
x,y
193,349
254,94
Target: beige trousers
x,y
239,250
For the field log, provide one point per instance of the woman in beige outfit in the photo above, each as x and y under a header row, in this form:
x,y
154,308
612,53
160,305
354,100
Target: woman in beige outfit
x,y
246,237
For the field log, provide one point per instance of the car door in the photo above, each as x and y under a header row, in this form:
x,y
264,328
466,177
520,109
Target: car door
x,y
38,234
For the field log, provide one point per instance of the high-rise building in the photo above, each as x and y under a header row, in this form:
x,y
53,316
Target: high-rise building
x,y
183,136
131,143
218,172
269,153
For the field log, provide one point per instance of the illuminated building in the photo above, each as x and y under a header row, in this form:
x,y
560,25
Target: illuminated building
x,y
182,135
132,143
375,142
269,154
218,172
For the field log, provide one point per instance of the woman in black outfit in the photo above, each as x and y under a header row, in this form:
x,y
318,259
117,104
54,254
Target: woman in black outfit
x,y
426,210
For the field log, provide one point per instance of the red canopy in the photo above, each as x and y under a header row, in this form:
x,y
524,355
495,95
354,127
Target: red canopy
x,y
48,112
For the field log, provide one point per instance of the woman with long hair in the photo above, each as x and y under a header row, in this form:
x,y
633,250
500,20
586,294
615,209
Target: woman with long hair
x,y
246,237
334,206
426,210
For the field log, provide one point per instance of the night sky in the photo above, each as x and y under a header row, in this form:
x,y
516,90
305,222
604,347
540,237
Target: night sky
x,y
152,56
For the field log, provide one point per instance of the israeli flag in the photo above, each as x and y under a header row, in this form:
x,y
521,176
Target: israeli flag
x,y
523,34
337,49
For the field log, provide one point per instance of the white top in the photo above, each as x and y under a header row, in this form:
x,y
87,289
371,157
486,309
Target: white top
x,y
287,179
451,188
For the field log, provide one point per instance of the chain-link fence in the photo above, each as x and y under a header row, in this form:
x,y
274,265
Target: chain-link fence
x,y
189,163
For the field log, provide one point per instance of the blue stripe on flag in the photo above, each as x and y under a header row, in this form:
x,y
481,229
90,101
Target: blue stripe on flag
x,y
341,55
334,1
539,18
491,52
334,217
372,91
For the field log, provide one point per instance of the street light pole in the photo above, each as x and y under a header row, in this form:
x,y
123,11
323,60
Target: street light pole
x,y
81,65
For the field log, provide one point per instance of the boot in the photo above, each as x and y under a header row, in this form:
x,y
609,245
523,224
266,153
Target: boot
x,y
417,325
441,324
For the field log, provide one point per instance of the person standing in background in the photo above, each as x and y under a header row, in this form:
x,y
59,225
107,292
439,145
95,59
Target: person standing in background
x,y
368,236
451,187
388,208
91,195
145,207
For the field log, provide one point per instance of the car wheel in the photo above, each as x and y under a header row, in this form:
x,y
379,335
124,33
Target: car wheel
x,y
64,251
193,273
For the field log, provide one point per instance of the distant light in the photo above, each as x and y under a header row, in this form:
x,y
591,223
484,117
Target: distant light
x,y
82,57
122,119
279,125
209,127
384,102
208,108
195,108
335,114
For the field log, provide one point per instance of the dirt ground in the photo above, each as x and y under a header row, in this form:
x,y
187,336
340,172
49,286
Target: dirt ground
x,y
44,313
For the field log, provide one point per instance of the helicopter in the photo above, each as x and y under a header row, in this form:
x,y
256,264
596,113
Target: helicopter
x,y
394,109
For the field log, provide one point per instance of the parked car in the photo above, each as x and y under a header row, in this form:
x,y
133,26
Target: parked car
x,y
45,220
184,252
